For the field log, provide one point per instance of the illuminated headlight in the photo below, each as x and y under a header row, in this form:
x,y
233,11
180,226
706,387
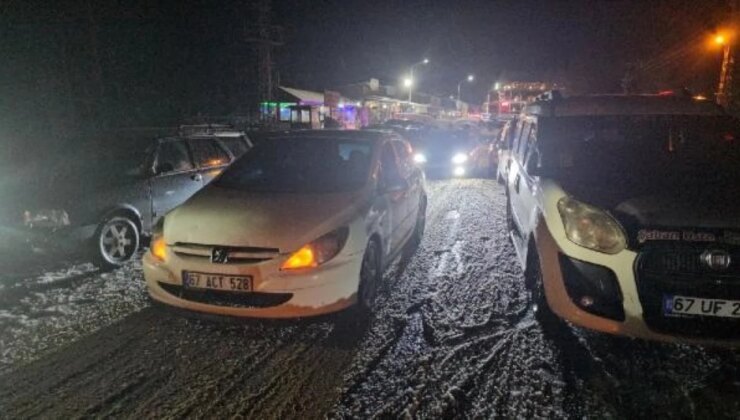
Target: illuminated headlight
x,y
46,218
158,246
591,227
315,253
459,158
458,171
420,158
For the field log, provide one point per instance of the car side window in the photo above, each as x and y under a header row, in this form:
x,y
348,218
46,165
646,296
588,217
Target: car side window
x,y
531,143
389,164
207,153
509,139
523,141
236,145
405,161
173,156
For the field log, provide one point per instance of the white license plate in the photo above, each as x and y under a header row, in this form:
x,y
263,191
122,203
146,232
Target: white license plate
x,y
205,281
686,305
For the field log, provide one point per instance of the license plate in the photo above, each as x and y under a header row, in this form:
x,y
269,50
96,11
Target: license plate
x,y
203,281
685,305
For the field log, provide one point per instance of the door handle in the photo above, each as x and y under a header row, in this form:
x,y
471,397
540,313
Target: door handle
x,y
197,177
517,179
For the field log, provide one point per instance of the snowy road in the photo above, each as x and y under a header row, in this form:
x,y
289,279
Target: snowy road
x,y
453,336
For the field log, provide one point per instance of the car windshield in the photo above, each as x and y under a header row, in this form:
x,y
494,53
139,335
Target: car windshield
x,y
648,149
301,165
446,141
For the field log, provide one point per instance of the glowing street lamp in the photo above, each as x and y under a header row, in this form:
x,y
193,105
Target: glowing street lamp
x,y
411,75
408,82
470,79
723,40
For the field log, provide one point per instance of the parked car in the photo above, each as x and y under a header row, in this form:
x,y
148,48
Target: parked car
x,y
302,225
113,188
445,153
618,209
505,141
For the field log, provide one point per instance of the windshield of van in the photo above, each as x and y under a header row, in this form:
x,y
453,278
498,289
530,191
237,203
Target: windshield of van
x,y
301,165
648,149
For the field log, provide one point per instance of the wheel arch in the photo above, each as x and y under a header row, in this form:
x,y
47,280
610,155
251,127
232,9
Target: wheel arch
x,y
125,210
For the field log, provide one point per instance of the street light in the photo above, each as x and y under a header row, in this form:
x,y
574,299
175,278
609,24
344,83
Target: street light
x,y
411,74
408,82
723,90
470,79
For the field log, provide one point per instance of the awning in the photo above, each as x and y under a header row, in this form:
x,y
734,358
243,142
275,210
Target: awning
x,y
305,96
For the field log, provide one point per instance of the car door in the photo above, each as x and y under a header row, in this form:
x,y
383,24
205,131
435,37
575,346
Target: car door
x,y
411,173
394,194
210,157
528,182
515,173
176,177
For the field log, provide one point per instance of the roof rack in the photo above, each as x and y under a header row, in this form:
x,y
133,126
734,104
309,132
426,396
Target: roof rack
x,y
189,130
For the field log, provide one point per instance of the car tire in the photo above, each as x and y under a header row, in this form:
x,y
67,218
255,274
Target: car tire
x,y
421,222
535,284
509,217
370,278
115,242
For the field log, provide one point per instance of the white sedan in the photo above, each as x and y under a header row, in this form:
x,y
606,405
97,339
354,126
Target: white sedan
x,y
302,225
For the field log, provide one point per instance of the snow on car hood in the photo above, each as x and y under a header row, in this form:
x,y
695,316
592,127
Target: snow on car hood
x,y
287,221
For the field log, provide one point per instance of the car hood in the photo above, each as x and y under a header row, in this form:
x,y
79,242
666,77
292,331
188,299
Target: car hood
x,y
286,221
686,211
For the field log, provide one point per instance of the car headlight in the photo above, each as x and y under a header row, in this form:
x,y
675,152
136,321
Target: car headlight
x,y
46,218
591,227
420,158
315,253
158,246
459,158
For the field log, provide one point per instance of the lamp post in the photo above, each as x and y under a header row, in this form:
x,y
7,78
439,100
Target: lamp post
x,y
469,79
411,74
725,75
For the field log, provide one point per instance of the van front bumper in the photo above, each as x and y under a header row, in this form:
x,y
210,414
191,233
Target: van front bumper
x,y
617,311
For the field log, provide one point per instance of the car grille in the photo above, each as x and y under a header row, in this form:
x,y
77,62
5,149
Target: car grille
x,y
687,261
679,270
236,255
231,299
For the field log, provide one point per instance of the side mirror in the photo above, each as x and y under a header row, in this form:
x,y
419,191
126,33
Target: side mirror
x,y
164,167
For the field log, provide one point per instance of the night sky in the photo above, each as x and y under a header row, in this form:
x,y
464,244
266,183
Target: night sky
x,y
68,65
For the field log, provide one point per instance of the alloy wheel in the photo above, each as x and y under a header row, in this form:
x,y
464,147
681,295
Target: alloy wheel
x,y
118,241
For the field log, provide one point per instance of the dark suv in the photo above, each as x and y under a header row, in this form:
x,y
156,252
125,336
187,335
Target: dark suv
x,y
106,195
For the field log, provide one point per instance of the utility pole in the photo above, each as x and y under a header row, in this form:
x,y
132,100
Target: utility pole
x,y
724,90
264,37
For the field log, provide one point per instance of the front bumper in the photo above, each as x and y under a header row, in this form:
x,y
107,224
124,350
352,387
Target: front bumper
x,y
276,294
632,323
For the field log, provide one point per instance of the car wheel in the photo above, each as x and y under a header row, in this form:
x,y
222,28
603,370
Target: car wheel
x,y
509,217
421,222
116,242
536,286
370,276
